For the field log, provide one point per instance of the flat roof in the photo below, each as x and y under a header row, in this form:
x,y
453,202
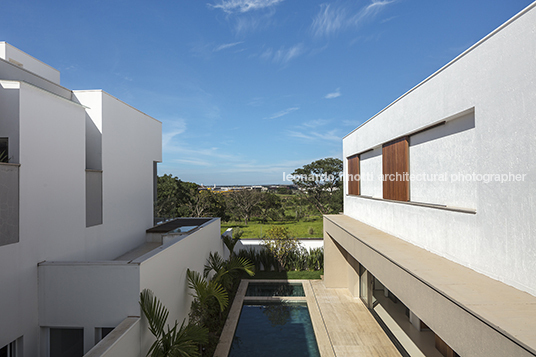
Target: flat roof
x,y
176,223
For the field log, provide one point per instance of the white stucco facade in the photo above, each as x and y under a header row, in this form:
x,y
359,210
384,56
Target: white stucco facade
x,y
79,189
445,254
486,102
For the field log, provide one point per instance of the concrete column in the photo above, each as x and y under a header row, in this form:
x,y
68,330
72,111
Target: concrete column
x,y
366,288
415,321
335,264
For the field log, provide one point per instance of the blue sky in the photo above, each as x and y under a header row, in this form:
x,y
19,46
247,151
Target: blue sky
x,y
249,89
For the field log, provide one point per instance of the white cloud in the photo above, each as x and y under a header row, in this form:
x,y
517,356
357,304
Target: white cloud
x,y
328,20
189,153
332,19
257,101
284,55
282,113
335,94
266,55
230,6
226,45
314,135
316,123
177,127
388,19
194,161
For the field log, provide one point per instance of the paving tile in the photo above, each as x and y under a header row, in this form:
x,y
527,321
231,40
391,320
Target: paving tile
x,y
352,329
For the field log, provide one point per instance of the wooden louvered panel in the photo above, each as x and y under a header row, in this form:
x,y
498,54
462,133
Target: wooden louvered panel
x,y
353,175
395,158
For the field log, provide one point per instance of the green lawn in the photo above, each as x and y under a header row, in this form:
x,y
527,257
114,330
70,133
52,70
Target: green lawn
x,y
299,229
304,275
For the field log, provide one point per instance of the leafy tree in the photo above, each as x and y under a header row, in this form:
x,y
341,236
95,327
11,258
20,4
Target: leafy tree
x,y
321,181
187,192
237,232
284,190
201,203
166,201
173,196
177,198
175,341
280,243
245,203
270,207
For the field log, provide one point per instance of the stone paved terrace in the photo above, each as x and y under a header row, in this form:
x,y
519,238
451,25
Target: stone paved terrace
x,y
351,328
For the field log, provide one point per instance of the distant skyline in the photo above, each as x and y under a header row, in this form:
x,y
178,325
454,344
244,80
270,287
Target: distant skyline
x,y
249,90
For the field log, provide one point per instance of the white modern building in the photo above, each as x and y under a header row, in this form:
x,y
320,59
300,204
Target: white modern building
x,y
438,232
77,184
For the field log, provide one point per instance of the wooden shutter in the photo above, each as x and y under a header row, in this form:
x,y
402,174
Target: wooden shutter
x,y
353,175
395,159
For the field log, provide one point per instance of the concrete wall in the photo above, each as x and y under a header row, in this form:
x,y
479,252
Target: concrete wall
x,y
54,140
494,80
10,71
20,58
123,341
370,173
257,244
52,203
93,295
164,272
87,295
438,153
130,143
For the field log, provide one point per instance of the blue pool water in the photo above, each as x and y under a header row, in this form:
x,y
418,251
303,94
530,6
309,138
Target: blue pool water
x,y
274,329
275,289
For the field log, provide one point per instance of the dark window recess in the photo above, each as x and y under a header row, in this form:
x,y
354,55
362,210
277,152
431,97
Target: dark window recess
x,y
4,153
66,342
105,331
353,175
6,352
395,162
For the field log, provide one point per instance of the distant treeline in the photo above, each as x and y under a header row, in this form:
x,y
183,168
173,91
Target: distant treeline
x,y
177,198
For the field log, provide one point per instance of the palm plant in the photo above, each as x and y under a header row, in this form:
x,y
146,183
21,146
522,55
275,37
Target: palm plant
x,y
176,341
230,243
211,292
297,259
316,259
267,260
226,270
205,290
252,255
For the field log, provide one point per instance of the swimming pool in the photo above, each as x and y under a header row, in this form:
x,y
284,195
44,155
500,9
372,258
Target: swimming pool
x,y
274,329
275,289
